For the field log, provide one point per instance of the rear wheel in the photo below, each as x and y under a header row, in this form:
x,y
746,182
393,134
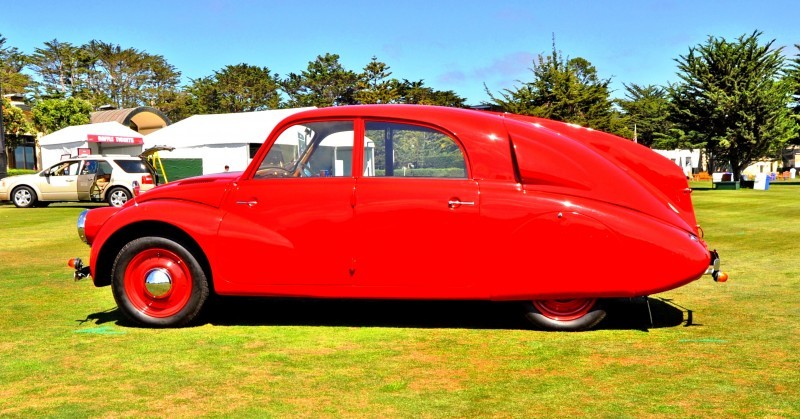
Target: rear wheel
x,y
565,315
157,282
117,197
23,197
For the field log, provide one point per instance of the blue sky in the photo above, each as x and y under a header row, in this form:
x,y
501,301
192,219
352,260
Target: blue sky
x,y
451,45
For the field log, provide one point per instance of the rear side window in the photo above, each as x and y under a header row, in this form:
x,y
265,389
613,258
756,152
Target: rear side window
x,y
402,150
133,166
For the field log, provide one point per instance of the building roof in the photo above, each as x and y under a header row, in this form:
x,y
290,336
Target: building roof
x,y
228,128
143,119
80,133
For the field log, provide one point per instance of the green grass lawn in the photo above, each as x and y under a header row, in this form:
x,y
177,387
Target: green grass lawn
x,y
714,349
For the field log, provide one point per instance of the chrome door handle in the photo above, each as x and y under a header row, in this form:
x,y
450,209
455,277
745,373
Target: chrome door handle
x,y
250,204
455,203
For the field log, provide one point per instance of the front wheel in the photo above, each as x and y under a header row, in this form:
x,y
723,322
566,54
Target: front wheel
x,y
565,315
157,282
23,197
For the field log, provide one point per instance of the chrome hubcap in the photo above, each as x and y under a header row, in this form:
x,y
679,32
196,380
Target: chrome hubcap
x,y
23,197
118,198
158,283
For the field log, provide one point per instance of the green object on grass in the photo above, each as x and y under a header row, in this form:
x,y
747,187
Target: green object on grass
x,y
102,330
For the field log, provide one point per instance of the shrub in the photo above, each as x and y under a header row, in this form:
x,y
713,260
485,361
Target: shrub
x,y
15,172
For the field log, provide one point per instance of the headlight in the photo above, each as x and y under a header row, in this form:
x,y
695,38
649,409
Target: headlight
x,y
82,226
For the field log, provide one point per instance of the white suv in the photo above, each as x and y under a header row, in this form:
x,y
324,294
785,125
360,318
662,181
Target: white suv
x,y
109,178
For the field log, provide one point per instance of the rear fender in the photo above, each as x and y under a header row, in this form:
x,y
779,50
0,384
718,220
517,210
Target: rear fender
x,y
599,251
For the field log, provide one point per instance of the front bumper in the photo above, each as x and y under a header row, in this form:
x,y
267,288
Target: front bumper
x,y
81,271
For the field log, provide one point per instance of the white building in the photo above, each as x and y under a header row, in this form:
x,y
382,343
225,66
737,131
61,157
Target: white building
x,y
101,138
205,144
687,160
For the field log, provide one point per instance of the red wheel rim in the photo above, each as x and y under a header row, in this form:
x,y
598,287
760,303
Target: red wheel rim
x,y
565,310
164,262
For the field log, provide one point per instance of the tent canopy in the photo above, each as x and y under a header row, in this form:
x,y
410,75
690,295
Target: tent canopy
x,y
217,129
105,132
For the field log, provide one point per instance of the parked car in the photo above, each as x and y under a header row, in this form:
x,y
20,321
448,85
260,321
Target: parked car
x,y
409,202
110,178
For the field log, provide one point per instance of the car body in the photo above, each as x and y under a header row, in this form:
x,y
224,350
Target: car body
x,y
110,178
410,202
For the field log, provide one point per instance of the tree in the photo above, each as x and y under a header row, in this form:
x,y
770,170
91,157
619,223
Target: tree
x,y
793,78
416,93
239,88
127,77
11,80
59,66
12,62
16,127
730,97
104,73
374,85
160,84
562,89
246,88
51,115
647,109
325,82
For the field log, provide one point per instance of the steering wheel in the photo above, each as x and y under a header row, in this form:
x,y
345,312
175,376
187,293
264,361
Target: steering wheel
x,y
273,171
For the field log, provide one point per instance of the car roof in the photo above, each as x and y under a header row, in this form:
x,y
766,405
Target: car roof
x,y
403,111
110,156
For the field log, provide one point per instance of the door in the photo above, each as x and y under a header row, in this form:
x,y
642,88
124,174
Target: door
x,y
61,182
291,223
94,176
415,211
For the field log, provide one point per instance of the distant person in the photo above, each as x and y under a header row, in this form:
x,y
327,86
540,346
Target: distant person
x,y
227,168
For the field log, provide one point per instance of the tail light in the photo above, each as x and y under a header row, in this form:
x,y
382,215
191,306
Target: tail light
x,y
147,180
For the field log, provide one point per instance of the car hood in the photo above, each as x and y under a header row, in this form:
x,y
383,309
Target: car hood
x,y
10,181
208,190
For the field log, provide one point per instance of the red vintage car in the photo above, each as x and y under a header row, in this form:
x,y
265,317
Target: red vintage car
x,y
409,202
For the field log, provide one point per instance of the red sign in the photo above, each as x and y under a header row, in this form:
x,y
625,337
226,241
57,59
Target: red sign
x,y
94,138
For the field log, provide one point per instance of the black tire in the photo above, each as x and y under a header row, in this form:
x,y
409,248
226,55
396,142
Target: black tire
x,y
138,283
23,197
118,196
580,318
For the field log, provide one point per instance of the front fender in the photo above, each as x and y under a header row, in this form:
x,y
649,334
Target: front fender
x,y
15,185
194,225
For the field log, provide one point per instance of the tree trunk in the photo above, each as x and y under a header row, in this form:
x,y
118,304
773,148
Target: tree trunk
x,y
736,170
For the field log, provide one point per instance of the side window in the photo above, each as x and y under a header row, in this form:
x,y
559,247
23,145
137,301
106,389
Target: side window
x,y
402,150
104,170
316,149
133,166
67,168
89,167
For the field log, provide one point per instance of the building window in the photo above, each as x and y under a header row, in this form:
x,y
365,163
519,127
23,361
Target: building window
x,y
25,157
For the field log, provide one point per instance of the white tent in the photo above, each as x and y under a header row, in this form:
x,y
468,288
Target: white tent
x,y
103,138
218,140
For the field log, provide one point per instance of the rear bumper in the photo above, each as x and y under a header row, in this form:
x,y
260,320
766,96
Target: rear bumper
x,y
714,268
